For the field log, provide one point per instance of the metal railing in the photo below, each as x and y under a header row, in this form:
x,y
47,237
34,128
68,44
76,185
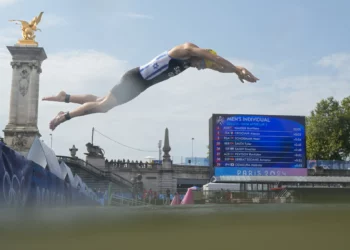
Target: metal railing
x,y
118,200
282,195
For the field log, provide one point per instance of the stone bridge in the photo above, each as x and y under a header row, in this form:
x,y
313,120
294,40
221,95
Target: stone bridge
x,y
158,177
183,176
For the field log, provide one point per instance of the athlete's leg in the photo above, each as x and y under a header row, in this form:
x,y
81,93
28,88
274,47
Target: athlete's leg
x,y
79,99
99,106
131,85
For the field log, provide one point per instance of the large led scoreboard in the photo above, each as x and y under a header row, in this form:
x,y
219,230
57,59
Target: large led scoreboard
x,y
257,145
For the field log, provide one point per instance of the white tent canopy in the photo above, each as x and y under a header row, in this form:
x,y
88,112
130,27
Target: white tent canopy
x,y
149,158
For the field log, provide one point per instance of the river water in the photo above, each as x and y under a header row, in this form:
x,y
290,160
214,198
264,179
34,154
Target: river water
x,y
271,226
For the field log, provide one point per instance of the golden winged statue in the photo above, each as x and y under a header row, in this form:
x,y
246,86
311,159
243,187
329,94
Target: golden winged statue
x,y
28,29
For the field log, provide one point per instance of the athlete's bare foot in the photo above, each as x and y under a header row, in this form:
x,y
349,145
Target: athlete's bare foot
x,y
57,120
58,98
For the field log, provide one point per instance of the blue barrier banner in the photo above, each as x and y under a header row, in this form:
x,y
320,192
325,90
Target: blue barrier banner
x,y
39,185
40,180
47,189
15,178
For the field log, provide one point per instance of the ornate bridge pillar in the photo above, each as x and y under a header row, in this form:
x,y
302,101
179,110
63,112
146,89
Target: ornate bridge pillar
x,y
22,127
166,177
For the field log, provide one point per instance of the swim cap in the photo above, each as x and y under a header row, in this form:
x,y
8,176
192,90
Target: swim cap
x,y
209,63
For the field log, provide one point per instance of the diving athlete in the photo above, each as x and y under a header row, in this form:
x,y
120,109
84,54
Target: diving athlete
x,y
166,65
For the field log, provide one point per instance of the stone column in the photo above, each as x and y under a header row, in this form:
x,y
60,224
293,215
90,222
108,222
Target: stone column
x,y
22,127
166,149
167,177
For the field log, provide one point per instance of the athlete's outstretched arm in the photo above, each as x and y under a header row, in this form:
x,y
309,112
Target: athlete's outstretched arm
x,y
222,65
219,68
243,73
225,65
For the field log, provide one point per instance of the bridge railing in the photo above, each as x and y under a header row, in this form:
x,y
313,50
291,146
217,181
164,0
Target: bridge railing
x,y
121,179
190,169
120,166
90,168
94,170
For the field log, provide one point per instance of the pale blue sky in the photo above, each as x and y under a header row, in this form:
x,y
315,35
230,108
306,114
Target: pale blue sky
x,y
272,32
299,49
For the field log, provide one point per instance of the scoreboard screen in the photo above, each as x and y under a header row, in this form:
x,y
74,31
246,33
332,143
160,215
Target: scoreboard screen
x,y
258,145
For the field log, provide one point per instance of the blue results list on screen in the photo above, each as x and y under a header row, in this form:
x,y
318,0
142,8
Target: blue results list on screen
x,y
258,141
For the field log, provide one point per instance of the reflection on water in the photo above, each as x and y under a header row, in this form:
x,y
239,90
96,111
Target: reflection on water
x,y
282,226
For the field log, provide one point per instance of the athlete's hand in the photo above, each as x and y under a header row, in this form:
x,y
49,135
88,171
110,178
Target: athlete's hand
x,y
244,74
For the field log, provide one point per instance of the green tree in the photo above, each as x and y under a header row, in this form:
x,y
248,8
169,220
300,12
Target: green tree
x,y
328,130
